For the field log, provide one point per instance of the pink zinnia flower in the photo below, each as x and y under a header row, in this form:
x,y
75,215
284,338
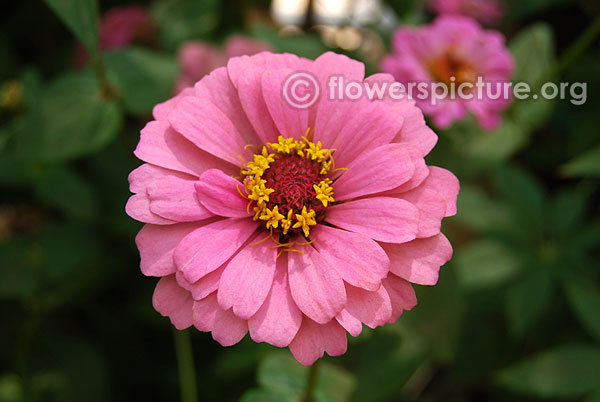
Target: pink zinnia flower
x,y
200,58
457,50
295,225
485,11
119,27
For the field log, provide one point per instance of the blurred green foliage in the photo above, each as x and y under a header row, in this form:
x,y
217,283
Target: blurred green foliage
x,y
514,317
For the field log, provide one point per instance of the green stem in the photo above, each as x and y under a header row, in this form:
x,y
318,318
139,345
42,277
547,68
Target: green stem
x,y
185,365
577,48
311,382
100,69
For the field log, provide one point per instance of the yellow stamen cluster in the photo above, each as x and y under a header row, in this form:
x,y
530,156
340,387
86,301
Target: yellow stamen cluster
x,y
258,193
324,192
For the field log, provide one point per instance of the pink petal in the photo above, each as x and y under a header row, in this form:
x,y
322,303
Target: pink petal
x,y
226,328
373,125
229,329
324,67
162,110
289,120
203,286
141,177
419,261
373,308
332,116
174,198
237,66
317,289
207,248
162,146
313,340
138,207
278,320
359,260
402,296
219,89
156,245
205,313
349,322
414,131
391,164
220,194
432,208
419,175
247,278
380,218
253,103
446,184
209,128
172,301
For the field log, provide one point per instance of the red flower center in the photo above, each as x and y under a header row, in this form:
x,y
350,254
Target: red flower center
x,y
293,177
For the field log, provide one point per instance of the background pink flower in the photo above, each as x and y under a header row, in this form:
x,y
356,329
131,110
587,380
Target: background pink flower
x,y
453,46
302,286
119,27
200,58
485,11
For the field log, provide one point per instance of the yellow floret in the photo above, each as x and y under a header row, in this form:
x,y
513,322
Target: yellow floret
x,y
324,192
272,217
305,220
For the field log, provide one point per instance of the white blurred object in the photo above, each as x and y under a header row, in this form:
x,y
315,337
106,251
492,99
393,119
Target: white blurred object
x,y
289,12
358,13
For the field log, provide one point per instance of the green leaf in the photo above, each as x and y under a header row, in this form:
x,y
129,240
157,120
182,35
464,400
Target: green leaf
x,y
497,145
143,78
81,16
181,20
567,210
533,50
309,46
282,373
485,263
68,191
567,371
268,395
584,297
478,211
386,363
586,164
526,301
19,269
71,119
524,196
11,388
66,248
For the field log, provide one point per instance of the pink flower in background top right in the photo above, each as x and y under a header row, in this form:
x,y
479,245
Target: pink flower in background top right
x,y
484,11
457,52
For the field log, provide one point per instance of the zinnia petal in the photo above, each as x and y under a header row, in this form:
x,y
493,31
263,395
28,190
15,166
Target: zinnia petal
x,y
207,248
381,218
317,289
278,320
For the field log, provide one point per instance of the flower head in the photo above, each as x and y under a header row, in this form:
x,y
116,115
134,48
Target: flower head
x,y
121,26
199,58
295,225
454,50
485,11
